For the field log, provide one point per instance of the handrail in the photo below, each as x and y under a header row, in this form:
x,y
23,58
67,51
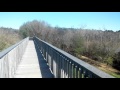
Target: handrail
x,y
11,57
64,65
4,52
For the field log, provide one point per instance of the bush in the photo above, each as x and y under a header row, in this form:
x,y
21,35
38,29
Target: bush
x,y
79,47
8,37
116,60
109,60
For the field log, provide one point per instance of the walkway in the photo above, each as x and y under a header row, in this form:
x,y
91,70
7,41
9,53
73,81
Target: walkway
x,y
30,64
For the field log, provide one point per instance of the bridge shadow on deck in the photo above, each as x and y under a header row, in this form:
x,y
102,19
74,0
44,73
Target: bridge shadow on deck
x,y
45,71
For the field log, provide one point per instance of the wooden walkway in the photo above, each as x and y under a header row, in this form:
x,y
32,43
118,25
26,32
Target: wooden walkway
x,y
29,66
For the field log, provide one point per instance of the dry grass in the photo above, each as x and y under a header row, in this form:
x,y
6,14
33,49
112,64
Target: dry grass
x,y
8,38
102,66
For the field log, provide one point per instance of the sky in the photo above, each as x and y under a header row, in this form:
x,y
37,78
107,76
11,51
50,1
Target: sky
x,y
86,20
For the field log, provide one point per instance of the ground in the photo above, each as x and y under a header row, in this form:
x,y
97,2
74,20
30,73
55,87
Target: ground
x,y
104,67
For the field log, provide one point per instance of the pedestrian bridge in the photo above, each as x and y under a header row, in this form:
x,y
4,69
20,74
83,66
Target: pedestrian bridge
x,y
35,58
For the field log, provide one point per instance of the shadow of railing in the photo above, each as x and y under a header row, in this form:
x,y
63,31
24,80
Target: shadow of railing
x,y
45,71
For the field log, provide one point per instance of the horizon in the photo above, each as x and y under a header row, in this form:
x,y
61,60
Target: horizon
x,y
86,20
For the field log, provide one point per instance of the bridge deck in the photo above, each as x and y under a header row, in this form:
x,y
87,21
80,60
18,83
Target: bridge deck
x,y
29,66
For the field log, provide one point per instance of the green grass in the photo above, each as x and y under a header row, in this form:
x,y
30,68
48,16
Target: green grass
x,y
114,74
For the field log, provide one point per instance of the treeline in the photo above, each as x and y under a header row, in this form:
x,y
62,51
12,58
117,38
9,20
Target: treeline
x,y
8,37
102,46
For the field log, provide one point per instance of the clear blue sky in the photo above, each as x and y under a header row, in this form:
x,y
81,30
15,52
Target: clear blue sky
x,y
90,20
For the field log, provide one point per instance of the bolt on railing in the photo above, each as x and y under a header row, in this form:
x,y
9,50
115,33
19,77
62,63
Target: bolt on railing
x,y
64,65
10,58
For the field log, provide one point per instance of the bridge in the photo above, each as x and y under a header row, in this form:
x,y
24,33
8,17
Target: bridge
x,y
35,58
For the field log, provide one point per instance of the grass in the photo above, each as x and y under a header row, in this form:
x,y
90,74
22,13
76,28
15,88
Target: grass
x,y
114,74
104,67
7,39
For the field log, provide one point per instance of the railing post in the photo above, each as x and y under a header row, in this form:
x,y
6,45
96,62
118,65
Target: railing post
x,y
72,70
42,48
47,54
45,50
67,68
63,69
80,72
70,66
57,65
59,68
77,70
49,63
50,57
52,60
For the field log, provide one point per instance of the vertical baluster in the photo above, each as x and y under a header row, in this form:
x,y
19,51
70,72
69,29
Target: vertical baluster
x,y
45,50
83,74
39,44
70,70
64,68
61,67
57,62
73,70
49,56
58,65
86,74
56,70
67,72
80,72
74,74
77,71
52,60
42,47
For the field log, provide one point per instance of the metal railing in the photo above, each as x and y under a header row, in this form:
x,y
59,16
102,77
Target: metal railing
x,y
64,65
10,58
